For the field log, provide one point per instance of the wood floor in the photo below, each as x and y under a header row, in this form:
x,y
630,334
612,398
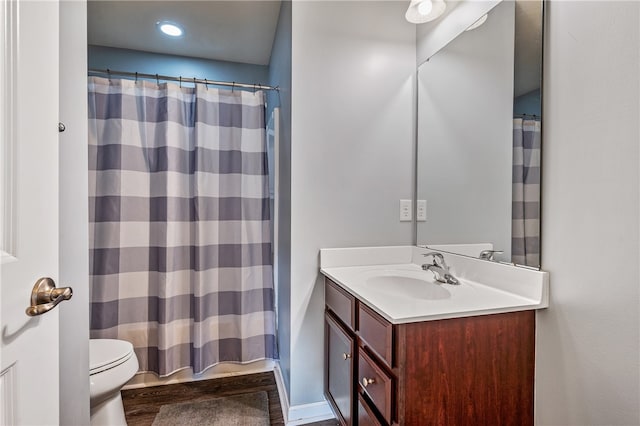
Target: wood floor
x,y
142,405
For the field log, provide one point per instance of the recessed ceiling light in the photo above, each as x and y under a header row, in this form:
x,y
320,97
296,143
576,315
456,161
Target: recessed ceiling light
x,y
170,29
478,22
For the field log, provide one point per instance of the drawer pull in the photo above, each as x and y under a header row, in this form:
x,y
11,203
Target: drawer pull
x,y
366,382
346,356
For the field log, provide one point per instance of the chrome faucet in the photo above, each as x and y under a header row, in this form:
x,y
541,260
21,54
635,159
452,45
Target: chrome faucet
x,y
440,269
488,254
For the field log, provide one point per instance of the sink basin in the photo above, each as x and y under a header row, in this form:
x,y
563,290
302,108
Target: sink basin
x,y
401,284
390,281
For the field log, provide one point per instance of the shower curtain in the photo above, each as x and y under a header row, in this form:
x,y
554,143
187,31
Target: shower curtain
x,y
525,228
179,216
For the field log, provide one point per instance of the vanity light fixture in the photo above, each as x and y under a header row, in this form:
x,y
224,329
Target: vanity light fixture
x,y
479,22
170,29
421,11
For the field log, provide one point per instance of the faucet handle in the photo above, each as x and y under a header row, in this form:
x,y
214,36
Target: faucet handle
x,y
488,254
438,258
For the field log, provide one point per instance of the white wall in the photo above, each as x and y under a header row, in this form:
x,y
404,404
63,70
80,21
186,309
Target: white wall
x,y
74,216
465,133
352,150
588,355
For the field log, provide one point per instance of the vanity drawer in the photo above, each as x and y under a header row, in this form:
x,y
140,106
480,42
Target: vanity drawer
x,y
376,332
377,384
341,303
365,415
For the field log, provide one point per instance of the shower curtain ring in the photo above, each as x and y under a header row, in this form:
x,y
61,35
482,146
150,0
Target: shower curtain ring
x,y
109,74
136,76
157,80
206,84
194,82
180,82
233,86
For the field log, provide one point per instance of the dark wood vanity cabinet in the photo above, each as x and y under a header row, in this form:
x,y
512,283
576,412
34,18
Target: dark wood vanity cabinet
x,y
461,371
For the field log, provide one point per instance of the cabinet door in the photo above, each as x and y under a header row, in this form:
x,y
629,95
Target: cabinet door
x,y
339,369
365,415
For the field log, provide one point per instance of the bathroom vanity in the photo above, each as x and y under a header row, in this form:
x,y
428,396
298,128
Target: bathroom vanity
x,y
397,354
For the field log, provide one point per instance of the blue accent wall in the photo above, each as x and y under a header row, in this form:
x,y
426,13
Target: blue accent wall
x,y
529,103
280,75
101,57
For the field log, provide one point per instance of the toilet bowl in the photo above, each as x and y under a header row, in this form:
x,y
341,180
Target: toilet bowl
x,y
112,363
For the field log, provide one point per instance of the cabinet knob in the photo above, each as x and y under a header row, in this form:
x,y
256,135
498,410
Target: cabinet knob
x,y
346,356
366,382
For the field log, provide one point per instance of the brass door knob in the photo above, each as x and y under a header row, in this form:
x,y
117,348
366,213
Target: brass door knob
x,y
366,382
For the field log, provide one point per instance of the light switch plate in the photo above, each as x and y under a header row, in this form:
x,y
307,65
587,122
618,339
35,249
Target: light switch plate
x,y
405,210
421,211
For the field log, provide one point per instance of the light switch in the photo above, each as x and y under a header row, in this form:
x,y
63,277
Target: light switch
x,y
405,210
421,213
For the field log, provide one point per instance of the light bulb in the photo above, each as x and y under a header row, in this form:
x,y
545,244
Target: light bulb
x,y
421,11
424,7
170,29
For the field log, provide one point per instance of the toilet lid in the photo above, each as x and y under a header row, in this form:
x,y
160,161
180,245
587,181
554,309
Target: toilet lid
x,y
107,353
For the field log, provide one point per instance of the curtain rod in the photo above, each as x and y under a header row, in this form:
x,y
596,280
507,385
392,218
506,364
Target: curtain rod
x,y
183,79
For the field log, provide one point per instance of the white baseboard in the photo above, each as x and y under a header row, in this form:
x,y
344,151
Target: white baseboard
x,y
309,413
282,391
300,414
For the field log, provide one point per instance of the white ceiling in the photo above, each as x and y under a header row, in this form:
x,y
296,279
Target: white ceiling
x,y
235,31
243,31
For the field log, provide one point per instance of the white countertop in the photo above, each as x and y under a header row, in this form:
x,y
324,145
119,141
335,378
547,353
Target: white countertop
x,y
485,287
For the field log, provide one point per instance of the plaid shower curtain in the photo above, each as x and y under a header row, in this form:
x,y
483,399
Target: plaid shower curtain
x,y
179,216
525,228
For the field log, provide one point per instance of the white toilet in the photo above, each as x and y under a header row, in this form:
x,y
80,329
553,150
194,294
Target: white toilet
x,y
112,363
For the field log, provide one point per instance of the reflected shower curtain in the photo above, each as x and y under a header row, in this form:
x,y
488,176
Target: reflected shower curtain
x,y
525,229
179,216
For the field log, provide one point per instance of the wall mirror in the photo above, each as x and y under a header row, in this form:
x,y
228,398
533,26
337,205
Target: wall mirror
x,y
479,121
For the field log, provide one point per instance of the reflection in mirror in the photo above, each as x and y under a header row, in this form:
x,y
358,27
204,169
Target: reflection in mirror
x,y
479,109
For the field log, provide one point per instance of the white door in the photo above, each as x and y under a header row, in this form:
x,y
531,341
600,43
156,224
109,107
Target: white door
x,y
29,372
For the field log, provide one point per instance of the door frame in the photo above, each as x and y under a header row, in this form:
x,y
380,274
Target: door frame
x,y
74,212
